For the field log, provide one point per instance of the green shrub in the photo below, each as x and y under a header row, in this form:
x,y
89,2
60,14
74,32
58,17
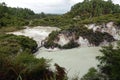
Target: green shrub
x,y
70,45
50,40
25,66
11,44
91,75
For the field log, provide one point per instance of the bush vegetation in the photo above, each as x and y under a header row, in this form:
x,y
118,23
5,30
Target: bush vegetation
x,y
86,12
11,44
50,40
53,21
25,66
70,45
12,19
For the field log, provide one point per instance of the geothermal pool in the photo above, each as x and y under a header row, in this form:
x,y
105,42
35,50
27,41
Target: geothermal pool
x,y
76,61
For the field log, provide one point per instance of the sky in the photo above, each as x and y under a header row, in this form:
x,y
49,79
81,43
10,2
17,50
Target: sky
x,y
46,6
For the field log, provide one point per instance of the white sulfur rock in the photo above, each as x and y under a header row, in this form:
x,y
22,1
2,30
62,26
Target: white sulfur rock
x,y
83,42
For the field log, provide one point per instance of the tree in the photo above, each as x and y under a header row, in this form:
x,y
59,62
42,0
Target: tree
x,y
91,75
110,62
43,15
93,8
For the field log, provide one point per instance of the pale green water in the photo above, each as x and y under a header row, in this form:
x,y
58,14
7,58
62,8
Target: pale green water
x,y
76,61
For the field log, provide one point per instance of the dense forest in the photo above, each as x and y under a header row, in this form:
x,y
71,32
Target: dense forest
x,y
14,16
93,8
17,61
88,11
12,19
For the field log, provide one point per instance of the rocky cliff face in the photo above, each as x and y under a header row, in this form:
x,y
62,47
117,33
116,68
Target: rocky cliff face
x,y
110,28
63,40
83,42
65,37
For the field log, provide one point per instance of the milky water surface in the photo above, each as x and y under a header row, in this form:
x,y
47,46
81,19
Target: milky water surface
x,y
77,61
